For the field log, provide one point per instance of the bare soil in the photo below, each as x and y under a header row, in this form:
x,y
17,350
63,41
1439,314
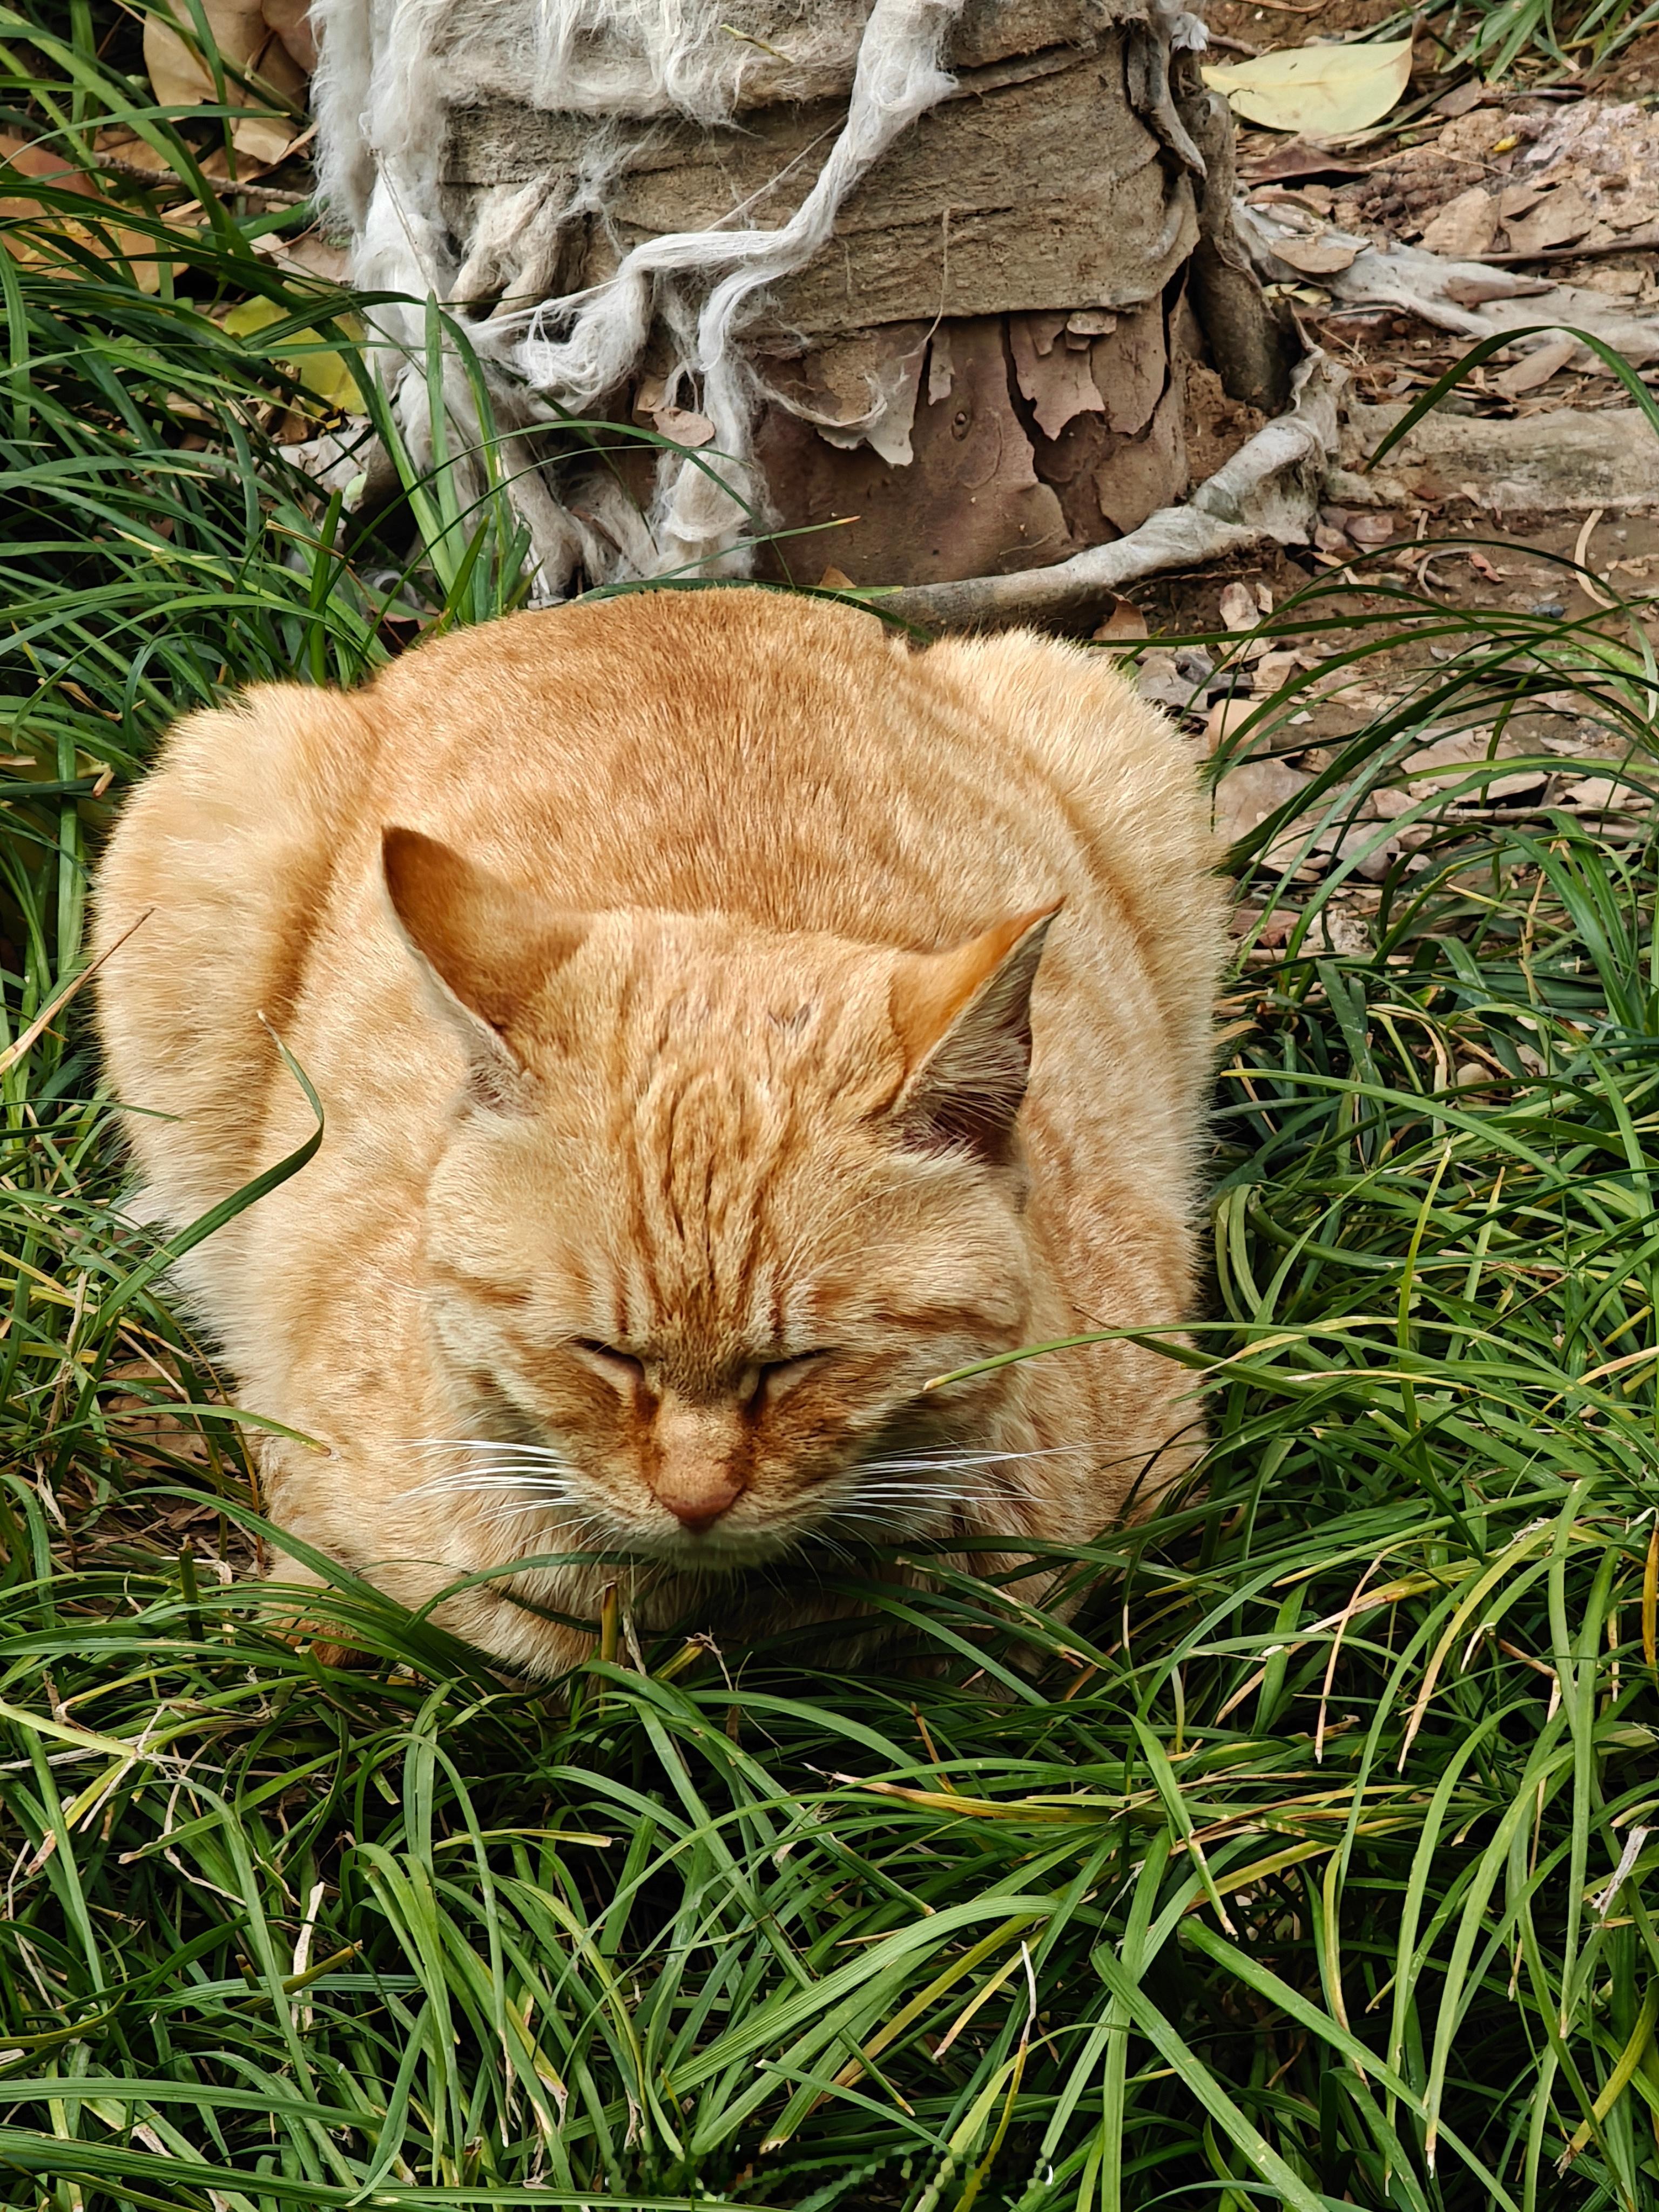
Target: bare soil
x,y
1446,553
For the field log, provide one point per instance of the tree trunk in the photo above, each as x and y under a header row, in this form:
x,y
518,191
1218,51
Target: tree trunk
x,y
980,364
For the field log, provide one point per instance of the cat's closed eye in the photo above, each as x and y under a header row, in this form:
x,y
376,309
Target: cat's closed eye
x,y
777,1375
620,1367
771,1381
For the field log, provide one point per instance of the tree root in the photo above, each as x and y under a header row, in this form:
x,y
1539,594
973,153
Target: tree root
x,y
1267,494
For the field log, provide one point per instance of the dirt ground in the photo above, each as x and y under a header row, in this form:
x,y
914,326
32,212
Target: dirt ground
x,y
1370,639
1454,143
1421,572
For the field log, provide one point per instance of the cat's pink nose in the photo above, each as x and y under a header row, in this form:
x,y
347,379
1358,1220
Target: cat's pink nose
x,y
697,1497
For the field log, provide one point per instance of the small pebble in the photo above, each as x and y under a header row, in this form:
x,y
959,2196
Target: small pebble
x,y
1372,529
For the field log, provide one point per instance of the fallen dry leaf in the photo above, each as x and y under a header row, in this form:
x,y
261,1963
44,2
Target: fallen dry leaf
x,y
1455,754
1475,291
245,38
1385,804
1603,793
291,20
1580,558
1536,367
1461,99
1277,928
1159,679
1225,720
1125,623
43,167
1272,670
1315,257
1557,219
684,428
311,253
1249,793
1364,847
1327,91
321,371
1297,159
1464,227
1519,199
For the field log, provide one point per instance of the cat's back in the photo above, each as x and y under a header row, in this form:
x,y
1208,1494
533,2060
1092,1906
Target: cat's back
x,y
788,760
783,761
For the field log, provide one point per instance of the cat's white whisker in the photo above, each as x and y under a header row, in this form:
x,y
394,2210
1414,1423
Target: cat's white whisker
x,y
884,1516
946,1463
879,1497
482,1483
481,1473
492,1463
886,1485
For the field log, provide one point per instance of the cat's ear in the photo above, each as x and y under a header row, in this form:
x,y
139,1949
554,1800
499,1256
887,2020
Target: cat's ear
x,y
486,949
963,1021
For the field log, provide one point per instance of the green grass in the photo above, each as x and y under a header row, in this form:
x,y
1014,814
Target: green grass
x,y
1518,41
1514,43
1288,1874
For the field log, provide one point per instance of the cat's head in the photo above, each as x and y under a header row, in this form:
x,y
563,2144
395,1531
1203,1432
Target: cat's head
x,y
715,1205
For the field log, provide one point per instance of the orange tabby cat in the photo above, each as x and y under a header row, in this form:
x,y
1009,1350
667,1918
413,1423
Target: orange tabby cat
x,y
669,970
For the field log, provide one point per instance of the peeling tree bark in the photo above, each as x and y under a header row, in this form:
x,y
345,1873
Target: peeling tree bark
x,y
1267,494
986,371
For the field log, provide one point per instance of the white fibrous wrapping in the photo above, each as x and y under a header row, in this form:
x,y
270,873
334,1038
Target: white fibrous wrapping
x,y
389,72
